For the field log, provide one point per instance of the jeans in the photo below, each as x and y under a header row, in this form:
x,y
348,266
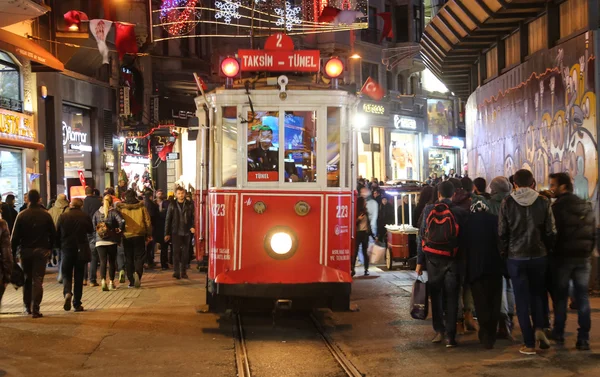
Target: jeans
x,y
529,282
73,271
579,271
135,251
94,263
508,297
444,292
362,239
487,295
120,257
164,254
181,249
108,254
33,262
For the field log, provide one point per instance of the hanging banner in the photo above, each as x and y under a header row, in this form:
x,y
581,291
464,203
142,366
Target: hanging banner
x,y
81,177
99,29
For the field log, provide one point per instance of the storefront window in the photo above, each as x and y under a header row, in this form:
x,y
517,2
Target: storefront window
x,y
333,146
229,145
76,138
300,146
443,161
11,174
404,156
10,81
371,152
263,146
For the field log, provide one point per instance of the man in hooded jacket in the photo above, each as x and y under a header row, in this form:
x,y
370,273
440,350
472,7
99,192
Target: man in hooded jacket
x,y
526,229
61,205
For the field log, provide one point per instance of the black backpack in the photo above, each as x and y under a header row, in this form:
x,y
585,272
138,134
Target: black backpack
x,y
441,232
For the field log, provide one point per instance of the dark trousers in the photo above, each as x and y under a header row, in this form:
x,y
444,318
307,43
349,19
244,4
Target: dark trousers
x,y
164,254
529,284
73,271
120,257
150,253
181,256
95,259
135,251
444,290
33,262
108,254
362,239
487,295
579,272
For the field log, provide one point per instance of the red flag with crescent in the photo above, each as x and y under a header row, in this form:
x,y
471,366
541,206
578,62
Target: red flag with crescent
x,y
372,89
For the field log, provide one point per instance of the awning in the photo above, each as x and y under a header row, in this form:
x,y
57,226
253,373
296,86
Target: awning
x,y
21,143
41,59
12,12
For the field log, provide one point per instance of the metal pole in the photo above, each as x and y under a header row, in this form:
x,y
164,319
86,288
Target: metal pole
x,y
150,22
409,209
396,209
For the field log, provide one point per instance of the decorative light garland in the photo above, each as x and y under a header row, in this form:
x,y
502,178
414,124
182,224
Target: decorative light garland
x,y
227,10
288,16
179,15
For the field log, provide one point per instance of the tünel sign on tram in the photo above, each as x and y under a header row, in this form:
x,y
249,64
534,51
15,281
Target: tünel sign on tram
x,y
279,56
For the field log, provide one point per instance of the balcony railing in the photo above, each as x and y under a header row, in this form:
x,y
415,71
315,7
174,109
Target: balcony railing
x,y
370,35
11,104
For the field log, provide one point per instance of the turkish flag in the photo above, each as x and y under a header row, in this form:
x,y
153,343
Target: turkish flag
x,y
387,25
372,89
168,148
328,14
74,17
125,39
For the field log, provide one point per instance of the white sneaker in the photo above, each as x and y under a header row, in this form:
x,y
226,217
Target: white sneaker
x,y
104,286
111,286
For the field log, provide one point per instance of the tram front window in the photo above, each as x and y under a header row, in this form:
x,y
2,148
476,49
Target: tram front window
x,y
263,146
300,146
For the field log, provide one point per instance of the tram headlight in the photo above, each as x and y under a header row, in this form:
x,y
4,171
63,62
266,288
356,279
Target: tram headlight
x,y
281,243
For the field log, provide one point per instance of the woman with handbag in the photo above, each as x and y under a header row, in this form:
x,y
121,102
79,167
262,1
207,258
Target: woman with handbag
x,y
109,225
363,231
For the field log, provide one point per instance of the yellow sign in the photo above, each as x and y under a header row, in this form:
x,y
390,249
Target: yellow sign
x,y
16,125
373,109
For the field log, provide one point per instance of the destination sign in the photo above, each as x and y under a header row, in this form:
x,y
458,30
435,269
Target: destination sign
x,y
279,56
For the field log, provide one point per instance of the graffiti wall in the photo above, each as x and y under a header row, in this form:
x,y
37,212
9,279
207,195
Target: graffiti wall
x,y
540,116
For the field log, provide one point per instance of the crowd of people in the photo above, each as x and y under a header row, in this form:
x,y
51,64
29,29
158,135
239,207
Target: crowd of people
x,y
492,255
109,232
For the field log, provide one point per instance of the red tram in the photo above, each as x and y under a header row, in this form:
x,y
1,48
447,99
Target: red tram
x,y
279,205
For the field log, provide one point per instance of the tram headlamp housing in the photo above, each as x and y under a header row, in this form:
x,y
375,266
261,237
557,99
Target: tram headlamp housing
x,y
281,242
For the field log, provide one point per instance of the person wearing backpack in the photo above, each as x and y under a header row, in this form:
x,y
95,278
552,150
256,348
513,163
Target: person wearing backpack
x,y
526,229
109,225
575,241
441,240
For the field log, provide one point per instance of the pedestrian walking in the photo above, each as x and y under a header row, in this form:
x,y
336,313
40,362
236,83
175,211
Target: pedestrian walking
x,y
485,269
137,229
440,250
61,205
385,217
72,231
158,231
6,258
34,233
179,227
153,212
363,232
109,226
526,229
91,203
570,260
9,213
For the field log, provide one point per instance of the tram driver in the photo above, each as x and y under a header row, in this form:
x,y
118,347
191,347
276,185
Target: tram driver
x,y
265,157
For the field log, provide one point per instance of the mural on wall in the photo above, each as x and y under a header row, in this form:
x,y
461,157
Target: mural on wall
x,y
541,116
440,116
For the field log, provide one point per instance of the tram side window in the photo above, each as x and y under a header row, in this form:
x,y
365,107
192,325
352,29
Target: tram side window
x,y
300,146
263,146
229,146
333,146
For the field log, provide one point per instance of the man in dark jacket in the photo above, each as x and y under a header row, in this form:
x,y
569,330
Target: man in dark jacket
x,y
9,213
34,233
72,229
527,232
159,230
152,209
444,271
179,227
91,203
575,241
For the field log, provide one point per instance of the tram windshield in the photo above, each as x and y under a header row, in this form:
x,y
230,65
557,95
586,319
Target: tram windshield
x,y
300,129
263,146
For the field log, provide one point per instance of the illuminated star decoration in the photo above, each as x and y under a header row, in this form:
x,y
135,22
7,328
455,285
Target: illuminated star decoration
x,y
179,16
227,10
289,16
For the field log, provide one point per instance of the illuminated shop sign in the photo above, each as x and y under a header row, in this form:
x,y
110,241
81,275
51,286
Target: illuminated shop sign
x,y
372,108
80,147
404,122
449,141
136,160
70,136
16,126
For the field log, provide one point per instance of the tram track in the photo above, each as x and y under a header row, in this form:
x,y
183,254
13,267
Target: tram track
x,y
242,356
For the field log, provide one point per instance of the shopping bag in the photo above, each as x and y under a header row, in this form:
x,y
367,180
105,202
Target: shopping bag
x,y
17,278
377,253
419,301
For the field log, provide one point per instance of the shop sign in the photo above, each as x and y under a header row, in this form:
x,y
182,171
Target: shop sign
x,y
136,160
109,160
173,156
80,147
373,108
70,136
16,125
154,106
449,141
182,114
404,122
279,56
124,101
